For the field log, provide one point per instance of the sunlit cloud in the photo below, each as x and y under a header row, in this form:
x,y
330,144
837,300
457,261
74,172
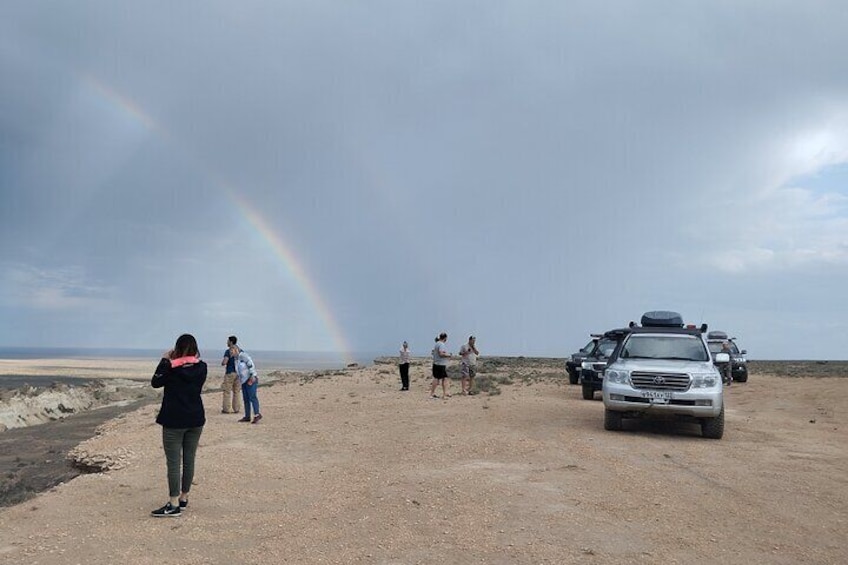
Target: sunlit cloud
x,y
783,223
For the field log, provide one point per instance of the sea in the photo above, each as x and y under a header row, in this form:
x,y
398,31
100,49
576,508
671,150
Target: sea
x,y
264,360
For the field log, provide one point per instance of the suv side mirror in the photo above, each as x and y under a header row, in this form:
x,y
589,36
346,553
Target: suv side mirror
x,y
744,352
722,358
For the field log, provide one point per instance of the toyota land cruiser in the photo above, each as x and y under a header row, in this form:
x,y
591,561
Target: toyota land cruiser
x,y
662,367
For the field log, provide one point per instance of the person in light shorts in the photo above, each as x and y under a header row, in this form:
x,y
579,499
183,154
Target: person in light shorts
x,y
468,366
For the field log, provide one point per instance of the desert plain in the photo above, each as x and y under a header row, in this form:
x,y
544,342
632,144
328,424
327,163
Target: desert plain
x,y
345,468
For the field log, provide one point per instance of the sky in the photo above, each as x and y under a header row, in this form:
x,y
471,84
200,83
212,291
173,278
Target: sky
x,y
341,176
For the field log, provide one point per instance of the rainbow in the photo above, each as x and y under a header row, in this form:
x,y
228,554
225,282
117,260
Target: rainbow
x,y
123,104
294,267
253,219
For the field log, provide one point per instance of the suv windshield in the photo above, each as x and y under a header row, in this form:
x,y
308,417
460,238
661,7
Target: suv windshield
x,y
649,346
715,347
605,347
588,347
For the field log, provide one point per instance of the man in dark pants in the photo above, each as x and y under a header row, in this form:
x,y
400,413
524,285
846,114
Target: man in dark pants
x,y
404,366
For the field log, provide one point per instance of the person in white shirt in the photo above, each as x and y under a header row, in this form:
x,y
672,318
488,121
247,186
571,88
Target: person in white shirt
x,y
404,366
468,368
440,366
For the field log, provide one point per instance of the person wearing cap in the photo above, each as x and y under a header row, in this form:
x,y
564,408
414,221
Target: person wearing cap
x,y
468,367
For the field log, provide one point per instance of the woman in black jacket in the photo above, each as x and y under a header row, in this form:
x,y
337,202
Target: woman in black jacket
x,y
181,416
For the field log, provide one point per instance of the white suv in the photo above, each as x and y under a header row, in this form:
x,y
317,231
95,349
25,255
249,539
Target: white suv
x,y
662,367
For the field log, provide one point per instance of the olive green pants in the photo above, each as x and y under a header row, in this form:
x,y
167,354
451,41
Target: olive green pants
x,y
180,445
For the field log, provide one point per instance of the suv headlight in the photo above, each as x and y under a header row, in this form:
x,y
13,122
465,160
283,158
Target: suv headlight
x,y
617,376
705,380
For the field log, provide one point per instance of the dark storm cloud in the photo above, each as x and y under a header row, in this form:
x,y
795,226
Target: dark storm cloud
x,y
526,171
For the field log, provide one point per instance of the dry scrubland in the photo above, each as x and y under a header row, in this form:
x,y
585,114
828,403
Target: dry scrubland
x,y
346,469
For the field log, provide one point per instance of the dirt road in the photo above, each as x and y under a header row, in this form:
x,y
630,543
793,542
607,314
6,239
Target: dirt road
x,y
346,469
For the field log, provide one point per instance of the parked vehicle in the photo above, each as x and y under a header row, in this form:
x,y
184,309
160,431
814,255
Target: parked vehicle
x,y
573,364
593,366
738,360
664,368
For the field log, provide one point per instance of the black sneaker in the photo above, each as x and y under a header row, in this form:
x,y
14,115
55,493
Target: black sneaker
x,y
167,511
183,504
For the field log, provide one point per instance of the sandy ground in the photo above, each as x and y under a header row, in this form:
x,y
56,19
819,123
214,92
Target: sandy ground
x,y
345,468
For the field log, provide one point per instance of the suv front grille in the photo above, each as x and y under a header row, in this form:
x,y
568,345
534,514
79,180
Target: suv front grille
x,y
659,381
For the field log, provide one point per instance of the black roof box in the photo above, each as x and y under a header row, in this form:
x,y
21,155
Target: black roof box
x,y
617,333
716,334
662,319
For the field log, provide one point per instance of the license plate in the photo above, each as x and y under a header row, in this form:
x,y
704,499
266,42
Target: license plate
x,y
658,395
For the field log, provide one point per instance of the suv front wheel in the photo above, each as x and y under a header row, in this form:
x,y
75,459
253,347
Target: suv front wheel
x,y
612,420
713,428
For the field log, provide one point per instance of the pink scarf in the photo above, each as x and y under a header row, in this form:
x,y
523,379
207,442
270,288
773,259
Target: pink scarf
x,y
184,361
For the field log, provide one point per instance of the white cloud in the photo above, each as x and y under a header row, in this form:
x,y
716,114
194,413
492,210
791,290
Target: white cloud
x,y
55,289
779,223
812,151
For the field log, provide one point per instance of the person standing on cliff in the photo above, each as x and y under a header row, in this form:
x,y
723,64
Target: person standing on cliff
x,y
440,366
230,388
182,417
468,368
249,379
404,366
